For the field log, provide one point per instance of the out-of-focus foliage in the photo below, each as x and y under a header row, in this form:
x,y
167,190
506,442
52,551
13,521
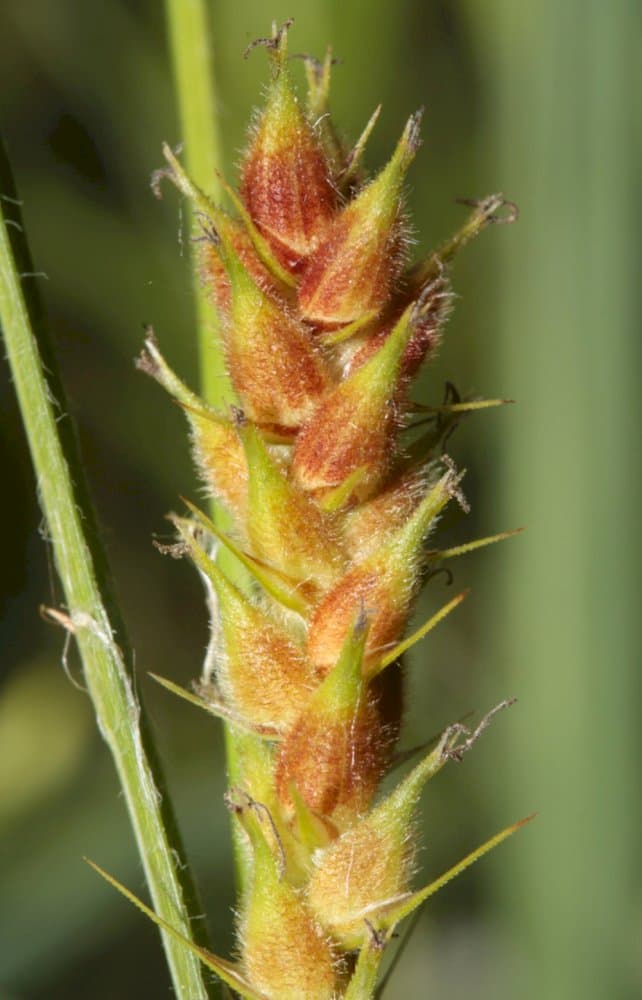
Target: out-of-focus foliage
x,y
538,102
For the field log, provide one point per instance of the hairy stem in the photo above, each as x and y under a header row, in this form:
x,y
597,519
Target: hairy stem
x,y
91,614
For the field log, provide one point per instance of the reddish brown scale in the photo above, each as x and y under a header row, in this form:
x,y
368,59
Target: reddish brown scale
x,y
335,764
285,176
428,331
363,586
300,377
289,197
344,278
328,450
352,433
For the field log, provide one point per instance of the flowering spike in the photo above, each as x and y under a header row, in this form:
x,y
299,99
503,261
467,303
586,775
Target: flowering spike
x,y
384,583
261,670
276,369
284,954
332,503
285,527
336,751
285,177
352,270
354,426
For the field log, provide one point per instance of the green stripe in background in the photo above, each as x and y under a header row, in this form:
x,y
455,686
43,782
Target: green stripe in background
x,y
562,134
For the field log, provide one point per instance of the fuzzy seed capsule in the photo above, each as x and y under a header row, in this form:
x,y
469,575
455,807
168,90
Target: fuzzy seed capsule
x,y
371,864
384,583
261,670
353,429
335,753
351,272
220,458
284,953
276,369
368,526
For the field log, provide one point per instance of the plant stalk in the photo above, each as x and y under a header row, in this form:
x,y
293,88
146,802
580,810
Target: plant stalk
x,y
81,564
190,39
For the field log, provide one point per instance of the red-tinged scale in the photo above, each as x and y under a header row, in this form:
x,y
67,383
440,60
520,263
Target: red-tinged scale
x,y
285,177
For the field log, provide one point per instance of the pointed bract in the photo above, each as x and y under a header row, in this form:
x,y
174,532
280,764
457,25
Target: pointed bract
x,y
217,447
213,270
353,269
285,526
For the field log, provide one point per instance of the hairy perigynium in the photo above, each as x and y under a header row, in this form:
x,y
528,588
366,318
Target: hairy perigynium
x,y
325,326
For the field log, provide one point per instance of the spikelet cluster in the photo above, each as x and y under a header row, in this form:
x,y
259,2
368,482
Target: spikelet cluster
x,y
325,324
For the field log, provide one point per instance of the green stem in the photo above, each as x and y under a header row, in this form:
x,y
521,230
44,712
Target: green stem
x,y
192,61
192,50
106,660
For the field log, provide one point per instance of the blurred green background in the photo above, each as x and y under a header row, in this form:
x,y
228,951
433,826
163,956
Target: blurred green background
x,y
540,101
